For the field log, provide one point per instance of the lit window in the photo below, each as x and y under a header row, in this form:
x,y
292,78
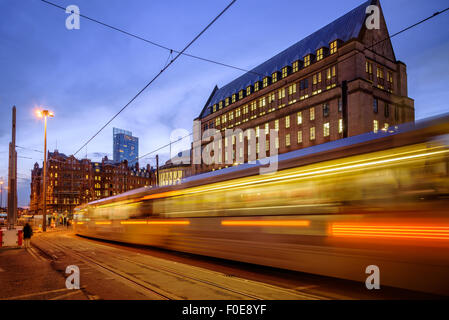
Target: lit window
x,y
277,142
299,137
256,86
223,118
257,132
340,125
312,114
226,102
319,54
299,117
231,115
307,61
276,125
295,66
274,77
234,98
215,108
333,47
386,126
217,121
284,72
281,93
326,129
380,73
220,105
287,140
375,125
265,82
369,70
312,133
248,90
292,89
237,112
271,97
267,128
241,92
287,122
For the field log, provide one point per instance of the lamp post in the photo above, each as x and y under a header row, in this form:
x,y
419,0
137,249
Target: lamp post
x,y
45,114
1,195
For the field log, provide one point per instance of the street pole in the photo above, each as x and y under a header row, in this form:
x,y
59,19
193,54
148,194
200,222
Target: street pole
x,y
44,215
45,114
157,170
12,175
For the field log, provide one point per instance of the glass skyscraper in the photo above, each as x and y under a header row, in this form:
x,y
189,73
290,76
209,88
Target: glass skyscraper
x,y
126,147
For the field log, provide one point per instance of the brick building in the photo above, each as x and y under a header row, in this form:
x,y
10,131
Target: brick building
x,y
340,81
72,182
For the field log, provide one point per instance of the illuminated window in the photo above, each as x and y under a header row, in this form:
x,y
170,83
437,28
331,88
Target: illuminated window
x,y
281,93
295,66
317,78
265,82
234,98
380,73
292,89
217,121
274,77
287,122
220,105
319,54
227,102
312,133
276,125
241,92
333,47
326,129
240,136
299,137
256,86
312,114
369,70
257,132
375,125
237,112
262,102
215,108
287,140
248,90
277,142
307,60
284,72
224,119
231,115
386,126
267,128
245,109
340,125
271,97
299,116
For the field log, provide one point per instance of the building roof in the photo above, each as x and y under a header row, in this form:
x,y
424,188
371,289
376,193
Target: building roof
x,y
344,28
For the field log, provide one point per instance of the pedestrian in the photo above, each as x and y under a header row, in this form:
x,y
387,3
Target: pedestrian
x,y
27,233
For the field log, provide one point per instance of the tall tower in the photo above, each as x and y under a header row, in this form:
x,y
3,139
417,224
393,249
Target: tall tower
x,y
125,146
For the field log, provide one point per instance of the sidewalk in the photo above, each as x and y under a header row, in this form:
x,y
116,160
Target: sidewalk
x,y
26,274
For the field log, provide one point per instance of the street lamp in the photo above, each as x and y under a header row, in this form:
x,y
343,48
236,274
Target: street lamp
x,y
1,195
45,114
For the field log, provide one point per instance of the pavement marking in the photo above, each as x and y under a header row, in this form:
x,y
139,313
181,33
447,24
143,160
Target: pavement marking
x,y
66,295
35,294
32,254
38,254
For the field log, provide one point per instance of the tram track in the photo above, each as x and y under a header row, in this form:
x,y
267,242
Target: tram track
x,y
211,279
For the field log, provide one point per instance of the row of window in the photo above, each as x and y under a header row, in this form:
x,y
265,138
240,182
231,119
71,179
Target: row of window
x,y
276,76
280,94
380,75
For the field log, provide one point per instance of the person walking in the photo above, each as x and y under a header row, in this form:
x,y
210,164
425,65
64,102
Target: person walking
x,y
27,234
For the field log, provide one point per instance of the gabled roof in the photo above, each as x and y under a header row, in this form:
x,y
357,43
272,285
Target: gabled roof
x,y
344,28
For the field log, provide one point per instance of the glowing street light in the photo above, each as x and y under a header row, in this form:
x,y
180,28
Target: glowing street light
x,y
45,114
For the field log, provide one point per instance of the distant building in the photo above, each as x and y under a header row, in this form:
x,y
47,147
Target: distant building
x,y
338,82
72,182
126,147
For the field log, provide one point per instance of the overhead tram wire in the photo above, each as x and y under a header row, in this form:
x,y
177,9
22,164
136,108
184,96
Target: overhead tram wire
x,y
160,72
368,48
155,43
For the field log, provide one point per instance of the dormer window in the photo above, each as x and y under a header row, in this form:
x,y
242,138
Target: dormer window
x,y
274,77
284,72
319,54
227,102
256,86
214,108
241,94
333,47
266,82
249,90
307,60
220,105
295,66
234,98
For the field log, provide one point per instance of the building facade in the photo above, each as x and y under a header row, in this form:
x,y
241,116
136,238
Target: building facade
x,y
72,182
125,147
341,81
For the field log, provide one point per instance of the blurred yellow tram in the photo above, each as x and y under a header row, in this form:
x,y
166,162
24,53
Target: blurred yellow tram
x,y
333,209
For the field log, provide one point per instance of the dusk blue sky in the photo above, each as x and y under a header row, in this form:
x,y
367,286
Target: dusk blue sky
x,y
87,75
